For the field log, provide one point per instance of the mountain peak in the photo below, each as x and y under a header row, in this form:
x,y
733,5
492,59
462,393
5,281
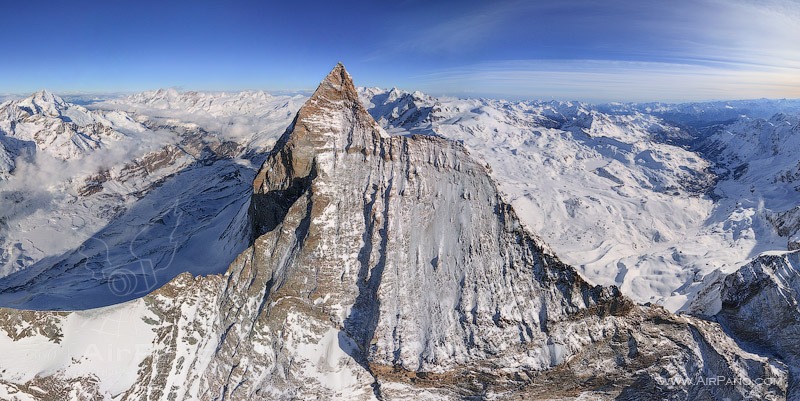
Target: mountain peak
x,y
337,85
43,102
333,120
46,96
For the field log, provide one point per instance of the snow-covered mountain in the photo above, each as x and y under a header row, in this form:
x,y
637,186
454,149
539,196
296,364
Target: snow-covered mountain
x,y
698,115
391,267
215,104
58,128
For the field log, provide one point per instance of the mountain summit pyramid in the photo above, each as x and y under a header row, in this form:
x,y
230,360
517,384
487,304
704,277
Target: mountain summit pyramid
x,y
401,245
389,267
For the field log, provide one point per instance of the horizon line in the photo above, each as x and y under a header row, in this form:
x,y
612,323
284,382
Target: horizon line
x,y
307,92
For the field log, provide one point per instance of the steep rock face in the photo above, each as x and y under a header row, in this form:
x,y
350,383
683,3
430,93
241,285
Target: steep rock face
x,y
759,305
403,243
183,316
750,295
788,225
6,162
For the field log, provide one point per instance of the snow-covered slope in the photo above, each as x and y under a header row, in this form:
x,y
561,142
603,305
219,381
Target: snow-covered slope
x,y
151,197
385,267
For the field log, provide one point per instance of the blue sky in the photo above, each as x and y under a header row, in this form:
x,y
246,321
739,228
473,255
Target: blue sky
x,y
611,50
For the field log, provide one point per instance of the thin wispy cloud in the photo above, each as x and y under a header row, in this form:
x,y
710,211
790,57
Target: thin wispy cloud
x,y
742,32
620,50
604,80
452,34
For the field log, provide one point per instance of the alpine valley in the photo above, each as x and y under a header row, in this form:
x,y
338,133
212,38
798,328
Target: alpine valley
x,y
391,245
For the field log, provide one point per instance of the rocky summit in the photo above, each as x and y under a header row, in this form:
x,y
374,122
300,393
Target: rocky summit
x,y
390,267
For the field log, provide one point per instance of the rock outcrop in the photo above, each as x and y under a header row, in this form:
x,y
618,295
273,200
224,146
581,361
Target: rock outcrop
x,y
759,306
